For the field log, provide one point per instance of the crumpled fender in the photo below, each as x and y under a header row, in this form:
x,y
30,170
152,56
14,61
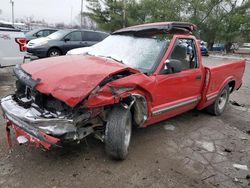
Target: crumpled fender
x,y
117,90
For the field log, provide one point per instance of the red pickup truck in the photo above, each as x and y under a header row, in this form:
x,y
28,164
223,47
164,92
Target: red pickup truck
x,y
137,76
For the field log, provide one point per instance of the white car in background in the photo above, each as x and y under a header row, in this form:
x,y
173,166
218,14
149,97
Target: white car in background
x,y
244,49
12,46
79,51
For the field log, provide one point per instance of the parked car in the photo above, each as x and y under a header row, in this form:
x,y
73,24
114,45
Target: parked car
x,y
60,42
244,49
12,46
218,47
79,51
37,33
133,78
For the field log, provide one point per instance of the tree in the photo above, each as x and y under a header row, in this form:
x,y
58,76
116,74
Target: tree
x,y
108,14
217,20
235,23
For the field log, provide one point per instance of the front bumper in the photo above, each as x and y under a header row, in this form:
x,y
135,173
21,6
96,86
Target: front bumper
x,y
27,122
39,52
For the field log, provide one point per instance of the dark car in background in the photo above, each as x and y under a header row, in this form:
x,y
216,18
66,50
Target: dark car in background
x,y
60,42
37,33
204,50
218,47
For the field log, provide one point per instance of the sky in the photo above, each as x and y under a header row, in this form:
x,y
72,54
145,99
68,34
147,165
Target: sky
x,y
51,11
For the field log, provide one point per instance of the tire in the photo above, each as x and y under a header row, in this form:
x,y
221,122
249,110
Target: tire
x,y
53,52
118,133
218,107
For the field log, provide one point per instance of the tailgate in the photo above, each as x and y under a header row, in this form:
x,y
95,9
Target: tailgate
x,y
219,76
10,53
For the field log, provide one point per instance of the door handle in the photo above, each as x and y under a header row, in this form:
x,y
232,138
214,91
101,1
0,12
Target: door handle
x,y
198,77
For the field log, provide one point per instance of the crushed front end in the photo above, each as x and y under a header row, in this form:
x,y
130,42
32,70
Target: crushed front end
x,y
44,121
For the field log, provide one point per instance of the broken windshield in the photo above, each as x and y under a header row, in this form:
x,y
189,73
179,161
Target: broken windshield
x,y
137,52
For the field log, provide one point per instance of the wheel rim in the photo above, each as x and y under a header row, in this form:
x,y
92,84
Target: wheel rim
x,y
222,100
127,133
54,53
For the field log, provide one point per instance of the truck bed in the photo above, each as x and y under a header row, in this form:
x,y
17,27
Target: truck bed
x,y
220,72
215,61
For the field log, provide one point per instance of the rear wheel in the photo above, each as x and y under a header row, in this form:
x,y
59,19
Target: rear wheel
x,y
118,132
218,107
54,52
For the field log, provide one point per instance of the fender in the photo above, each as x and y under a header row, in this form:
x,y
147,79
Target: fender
x,y
109,95
208,99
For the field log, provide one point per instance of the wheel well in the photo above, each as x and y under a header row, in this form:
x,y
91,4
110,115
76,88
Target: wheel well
x,y
55,48
231,85
138,107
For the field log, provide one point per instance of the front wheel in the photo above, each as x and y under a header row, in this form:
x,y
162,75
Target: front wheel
x,y
118,132
218,107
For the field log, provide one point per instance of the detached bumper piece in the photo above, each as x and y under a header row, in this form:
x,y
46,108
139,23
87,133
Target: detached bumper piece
x,y
29,125
44,141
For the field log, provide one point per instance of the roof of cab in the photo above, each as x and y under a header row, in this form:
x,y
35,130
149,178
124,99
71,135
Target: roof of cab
x,y
159,27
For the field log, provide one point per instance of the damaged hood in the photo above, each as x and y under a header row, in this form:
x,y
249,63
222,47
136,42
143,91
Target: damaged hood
x,y
71,78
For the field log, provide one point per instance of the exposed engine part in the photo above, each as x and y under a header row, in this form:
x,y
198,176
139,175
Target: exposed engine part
x,y
46,104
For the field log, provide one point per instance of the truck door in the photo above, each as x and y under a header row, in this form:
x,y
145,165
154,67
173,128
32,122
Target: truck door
x,y
178,92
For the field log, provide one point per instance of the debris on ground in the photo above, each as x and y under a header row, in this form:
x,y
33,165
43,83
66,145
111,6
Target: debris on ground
x,y
75,174
209,146
240,167
227,150
212,175
237,180
238,106
236,103
169,127
243,138
248,177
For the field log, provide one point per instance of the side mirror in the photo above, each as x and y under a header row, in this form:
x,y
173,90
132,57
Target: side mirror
x,y
66,39
172,66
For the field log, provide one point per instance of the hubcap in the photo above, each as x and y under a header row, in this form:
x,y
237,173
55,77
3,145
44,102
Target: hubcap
x,y
222,100
54,53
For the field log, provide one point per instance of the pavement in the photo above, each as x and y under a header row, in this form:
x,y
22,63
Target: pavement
x,y
194,149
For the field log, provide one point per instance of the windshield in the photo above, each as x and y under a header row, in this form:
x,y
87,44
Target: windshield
x,y
137,52
58,34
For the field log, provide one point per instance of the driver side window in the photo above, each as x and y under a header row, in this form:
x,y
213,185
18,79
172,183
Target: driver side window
x,y
185,51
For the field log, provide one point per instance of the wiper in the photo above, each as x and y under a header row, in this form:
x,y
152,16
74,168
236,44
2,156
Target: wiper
x,y
117,60
109,57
